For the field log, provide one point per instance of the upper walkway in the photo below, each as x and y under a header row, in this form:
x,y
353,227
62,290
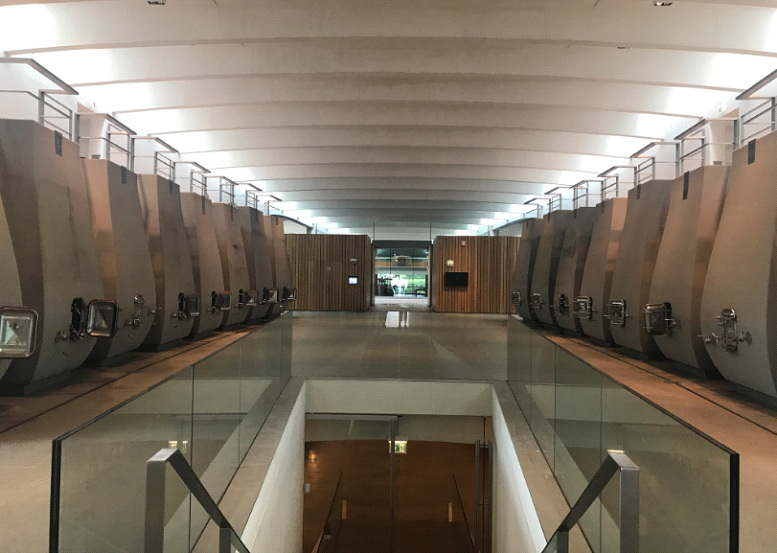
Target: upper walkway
x,y
383,344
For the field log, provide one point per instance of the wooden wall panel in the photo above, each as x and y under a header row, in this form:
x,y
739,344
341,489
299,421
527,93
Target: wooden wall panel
x,y
489,260
321,265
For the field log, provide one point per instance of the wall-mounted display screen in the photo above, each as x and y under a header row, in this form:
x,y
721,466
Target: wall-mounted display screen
x,y
460,279
353,280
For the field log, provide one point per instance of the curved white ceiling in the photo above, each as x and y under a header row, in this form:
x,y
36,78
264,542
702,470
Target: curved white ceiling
x,y
401,114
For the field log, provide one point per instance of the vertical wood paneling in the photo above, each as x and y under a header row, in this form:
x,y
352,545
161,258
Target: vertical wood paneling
x,y
489,260
321,265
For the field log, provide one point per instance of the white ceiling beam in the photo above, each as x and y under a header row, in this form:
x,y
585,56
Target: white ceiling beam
x,y
687,25
376,186
398,171
459,115
269,157
627,98
730,72
445,137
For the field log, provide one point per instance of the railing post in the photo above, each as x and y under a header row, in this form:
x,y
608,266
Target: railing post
x,y
629,508
154,539
562,542
225,540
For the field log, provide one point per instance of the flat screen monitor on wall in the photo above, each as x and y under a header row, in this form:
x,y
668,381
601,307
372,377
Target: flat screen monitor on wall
x,y
457,279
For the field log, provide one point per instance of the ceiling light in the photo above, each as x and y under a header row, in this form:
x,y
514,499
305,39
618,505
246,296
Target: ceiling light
x,y
662,4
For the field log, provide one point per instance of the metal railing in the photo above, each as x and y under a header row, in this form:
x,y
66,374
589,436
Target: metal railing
x,y
46,105
111,144
616,461
581,193
162,162
225,188
156,467
754,117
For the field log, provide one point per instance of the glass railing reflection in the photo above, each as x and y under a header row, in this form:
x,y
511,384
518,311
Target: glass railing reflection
x,y
689,483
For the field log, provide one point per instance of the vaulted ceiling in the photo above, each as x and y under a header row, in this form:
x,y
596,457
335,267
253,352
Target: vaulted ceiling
x,y
398,115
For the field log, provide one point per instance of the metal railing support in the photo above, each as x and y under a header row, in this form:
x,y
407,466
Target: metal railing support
x,y
616,461
154,538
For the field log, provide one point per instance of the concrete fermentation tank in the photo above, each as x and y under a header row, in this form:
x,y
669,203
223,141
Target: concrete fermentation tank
x,y
17,329
569,276
273,227
124,259
206,263
543,281
531,231
176,301
672,313
46,206
234,262
592,304
739,303
258,254
648,205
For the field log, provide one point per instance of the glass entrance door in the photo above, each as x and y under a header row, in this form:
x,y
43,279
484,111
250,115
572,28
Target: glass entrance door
x,y
402,272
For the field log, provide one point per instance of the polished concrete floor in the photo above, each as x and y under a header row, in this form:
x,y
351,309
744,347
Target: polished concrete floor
x,y
402,340
398,340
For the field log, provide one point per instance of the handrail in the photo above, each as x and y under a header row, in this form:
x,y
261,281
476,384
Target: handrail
x,y
156,466
629,504
328,522
470,538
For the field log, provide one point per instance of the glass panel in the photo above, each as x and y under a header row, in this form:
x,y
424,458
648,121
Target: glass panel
x,y
578,427
103,471
688,482
211,411
543,394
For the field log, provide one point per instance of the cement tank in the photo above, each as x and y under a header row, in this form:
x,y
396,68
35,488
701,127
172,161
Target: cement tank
x,y
739,303
531,231
46,206
234,262
645,219
280,264
672,315
124,259
206,263
592,304
543,285
258,253
571,264
176,301
17,327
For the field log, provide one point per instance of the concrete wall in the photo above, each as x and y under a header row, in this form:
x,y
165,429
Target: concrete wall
x,y
206,262
641,238
571,264
742,272
516,525
234,262
171,263
599,265
258,254
45,201
275,522
125,261
683,258
546,264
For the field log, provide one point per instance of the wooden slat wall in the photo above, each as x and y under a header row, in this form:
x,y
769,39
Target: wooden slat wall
x,y
489,260
321,265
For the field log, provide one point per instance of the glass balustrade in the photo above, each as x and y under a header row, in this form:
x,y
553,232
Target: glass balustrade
x,y
689,484
212,411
